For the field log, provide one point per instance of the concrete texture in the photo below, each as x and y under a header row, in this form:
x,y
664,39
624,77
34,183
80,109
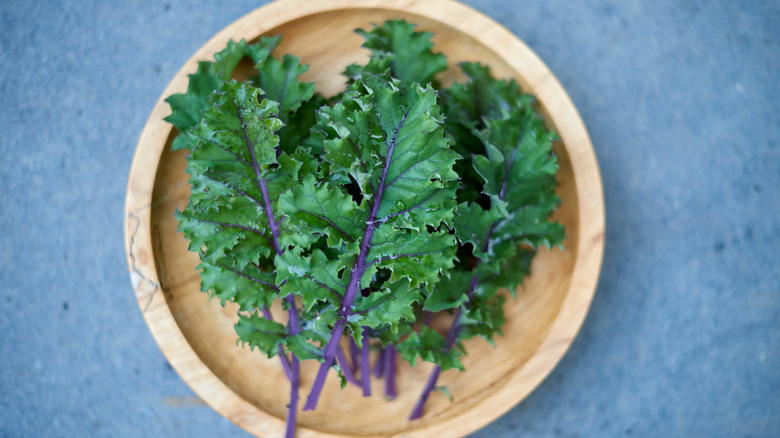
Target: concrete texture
x,y
681,101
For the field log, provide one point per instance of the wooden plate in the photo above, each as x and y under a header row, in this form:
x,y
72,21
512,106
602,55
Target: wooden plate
x,y
197,335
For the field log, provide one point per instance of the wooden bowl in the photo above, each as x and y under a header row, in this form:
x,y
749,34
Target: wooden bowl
x,y
196,334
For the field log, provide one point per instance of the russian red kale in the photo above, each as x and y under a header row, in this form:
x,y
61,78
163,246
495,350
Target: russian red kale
x,y
366,214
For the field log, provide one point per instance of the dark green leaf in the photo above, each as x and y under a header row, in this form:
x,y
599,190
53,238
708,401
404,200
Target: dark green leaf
x,y
302,348
389,140
396,46
450,292
258,332
513,165
429,345
225,221
186,108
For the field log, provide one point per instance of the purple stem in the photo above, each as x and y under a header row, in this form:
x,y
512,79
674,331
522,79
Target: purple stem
x,y
292,410
295,326
338,327
365,364
391,392
269,213
282,357
379,366
428,318
353,287
429,385
322,372
452,336
345,368
344,311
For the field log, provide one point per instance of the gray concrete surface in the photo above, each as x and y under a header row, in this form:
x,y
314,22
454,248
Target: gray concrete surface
x,y
681,101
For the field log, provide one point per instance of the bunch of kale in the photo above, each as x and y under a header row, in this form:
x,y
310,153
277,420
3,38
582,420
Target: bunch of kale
x,y
366,213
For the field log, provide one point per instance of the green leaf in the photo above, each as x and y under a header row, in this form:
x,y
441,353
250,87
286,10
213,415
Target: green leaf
x,y
261,333
389,140
519,177
513,166
514,161
315,278
386,309
186,108
396,46
446,391
317,322
450,292
514,267
481,96
251,288
474,225
411,254
466,105
302,348
261,51
326,210
483,317
225,220
297,102
296,132
279,80
430,346
237,176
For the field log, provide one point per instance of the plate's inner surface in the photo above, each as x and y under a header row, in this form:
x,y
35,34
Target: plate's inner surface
x,y
326,42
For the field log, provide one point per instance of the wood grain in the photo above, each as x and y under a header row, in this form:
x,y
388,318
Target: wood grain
x,y
196,334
